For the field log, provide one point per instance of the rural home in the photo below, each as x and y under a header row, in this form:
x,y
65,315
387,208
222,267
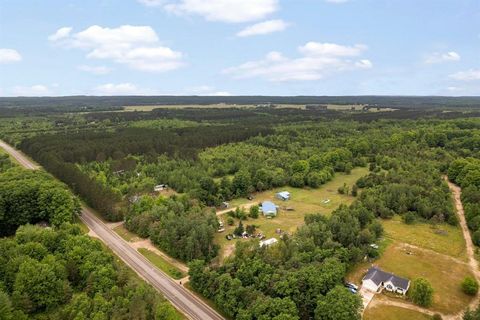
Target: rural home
x,y
268,242
284,195
269,209
377,279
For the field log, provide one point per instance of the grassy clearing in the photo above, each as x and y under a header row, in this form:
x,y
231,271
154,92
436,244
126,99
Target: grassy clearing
x,y
162,264
308,200
383,312
304,201
444,273
445,239
125,234
81,224
12,159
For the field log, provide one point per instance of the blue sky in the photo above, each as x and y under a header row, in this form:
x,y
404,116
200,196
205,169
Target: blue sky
x,y
239,47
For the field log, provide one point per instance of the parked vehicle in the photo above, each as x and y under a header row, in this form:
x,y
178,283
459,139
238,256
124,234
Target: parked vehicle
x,y
351,285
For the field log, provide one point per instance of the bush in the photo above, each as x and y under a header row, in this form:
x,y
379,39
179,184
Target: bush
x,y
230,221
354,190
422,292
436,316
470,286
254,210
409,218
476,238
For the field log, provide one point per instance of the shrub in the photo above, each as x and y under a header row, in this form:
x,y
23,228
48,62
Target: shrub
x,y
254,210
470,286
422,292
409,218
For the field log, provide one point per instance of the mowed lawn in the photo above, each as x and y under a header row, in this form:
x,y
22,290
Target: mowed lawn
x,y
443,272
308,200
125,234
303,201
383,312
162,264
444,238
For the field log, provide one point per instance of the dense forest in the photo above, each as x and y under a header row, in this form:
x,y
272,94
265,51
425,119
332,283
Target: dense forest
x,y
100,103
33,197
173,223
62,274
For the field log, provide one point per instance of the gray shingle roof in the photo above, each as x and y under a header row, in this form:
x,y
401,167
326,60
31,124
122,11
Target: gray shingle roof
x,y
378,276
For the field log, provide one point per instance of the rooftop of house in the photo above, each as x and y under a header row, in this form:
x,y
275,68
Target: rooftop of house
x,y
268,206
378,276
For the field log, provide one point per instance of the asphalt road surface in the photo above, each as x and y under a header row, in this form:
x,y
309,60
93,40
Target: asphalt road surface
x,y
181,298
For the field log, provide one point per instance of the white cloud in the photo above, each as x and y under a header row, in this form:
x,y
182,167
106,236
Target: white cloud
x,y
233,11
60,34
331,49
135,46
152,3
35,90
265,27
206,90
97,70
9,56
111,89
437,57
317,61
469,75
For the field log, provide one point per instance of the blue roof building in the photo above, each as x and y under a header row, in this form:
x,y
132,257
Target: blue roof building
x,y
269,209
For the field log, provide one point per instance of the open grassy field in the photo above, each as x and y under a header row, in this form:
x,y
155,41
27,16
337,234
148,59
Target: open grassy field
x,y
308,200
162,264
444,273
383,312
125,234
444,238
303,201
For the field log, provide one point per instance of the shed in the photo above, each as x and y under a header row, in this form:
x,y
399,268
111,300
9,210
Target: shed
x,y
268,242
160,187
269,209
284,195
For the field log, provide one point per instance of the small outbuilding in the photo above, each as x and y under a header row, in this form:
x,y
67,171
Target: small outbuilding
x,y
268,242
269,209
377,279
224,205
284,195
160,187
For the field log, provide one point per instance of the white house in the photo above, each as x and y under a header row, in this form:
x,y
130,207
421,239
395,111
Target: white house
x,y
268,242
377,279
284,195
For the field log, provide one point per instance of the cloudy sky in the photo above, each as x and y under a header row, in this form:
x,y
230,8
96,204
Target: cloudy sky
x,y
239,47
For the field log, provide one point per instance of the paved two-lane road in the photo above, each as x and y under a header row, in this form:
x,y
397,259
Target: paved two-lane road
x,y
180,297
